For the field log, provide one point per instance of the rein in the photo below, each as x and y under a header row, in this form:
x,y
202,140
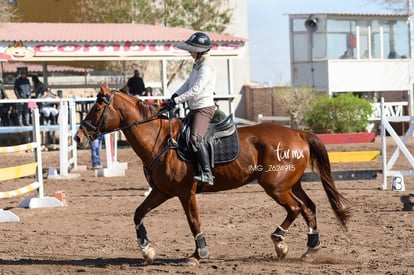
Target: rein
x,y
136,123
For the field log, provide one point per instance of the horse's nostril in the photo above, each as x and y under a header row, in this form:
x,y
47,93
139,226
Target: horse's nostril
x,y
76,139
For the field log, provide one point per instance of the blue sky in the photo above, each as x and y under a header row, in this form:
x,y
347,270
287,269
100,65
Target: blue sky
x,y
269,34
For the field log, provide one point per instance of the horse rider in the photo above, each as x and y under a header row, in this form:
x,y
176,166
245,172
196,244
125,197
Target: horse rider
x,y
198,92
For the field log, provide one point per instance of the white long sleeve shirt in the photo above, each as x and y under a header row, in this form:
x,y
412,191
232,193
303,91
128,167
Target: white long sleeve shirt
x,y
198,89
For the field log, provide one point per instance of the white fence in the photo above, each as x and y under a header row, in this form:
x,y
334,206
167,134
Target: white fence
x,y
388,165
66,126
34,168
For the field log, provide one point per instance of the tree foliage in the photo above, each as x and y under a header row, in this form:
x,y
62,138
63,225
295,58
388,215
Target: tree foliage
x,y
345,113
7,12
397,6
296,101
202,15
205,15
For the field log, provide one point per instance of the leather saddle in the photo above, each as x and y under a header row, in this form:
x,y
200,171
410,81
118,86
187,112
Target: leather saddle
x,y
222,141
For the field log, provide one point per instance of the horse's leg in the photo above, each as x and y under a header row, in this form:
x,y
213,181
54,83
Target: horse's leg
x,y
154,199
292,205
189,203
309,214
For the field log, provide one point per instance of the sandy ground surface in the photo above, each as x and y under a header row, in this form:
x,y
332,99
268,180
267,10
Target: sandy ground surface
x,y
94,233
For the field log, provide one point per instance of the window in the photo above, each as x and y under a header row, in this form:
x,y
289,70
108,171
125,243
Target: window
x,y
396,39
363,41
341,39
300,50
364,38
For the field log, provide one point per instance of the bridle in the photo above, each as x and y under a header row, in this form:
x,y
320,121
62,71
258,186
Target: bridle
x,y
97,130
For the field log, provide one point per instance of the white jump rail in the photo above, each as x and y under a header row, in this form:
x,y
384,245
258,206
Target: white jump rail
x,y
389,109
261,118
24,170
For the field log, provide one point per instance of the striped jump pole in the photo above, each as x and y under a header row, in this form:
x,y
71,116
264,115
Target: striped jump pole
x,y
24,170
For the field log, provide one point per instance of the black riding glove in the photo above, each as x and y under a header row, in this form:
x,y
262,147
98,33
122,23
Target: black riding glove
x,y
170,104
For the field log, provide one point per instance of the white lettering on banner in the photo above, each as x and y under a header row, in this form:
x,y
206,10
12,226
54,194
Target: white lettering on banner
x,y
101,50
283,154
126,48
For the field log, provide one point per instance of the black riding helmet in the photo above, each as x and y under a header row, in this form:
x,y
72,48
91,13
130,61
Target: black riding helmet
x,y
199,42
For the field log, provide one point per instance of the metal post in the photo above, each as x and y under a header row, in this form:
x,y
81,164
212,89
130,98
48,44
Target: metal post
x,y
73,129
38,153
383,147
230,84
410,82
164,77
63,138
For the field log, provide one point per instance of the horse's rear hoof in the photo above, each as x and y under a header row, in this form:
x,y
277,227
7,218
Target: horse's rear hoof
x,y
308,255
192,261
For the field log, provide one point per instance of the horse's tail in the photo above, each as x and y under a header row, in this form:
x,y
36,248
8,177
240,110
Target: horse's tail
x,y
319,159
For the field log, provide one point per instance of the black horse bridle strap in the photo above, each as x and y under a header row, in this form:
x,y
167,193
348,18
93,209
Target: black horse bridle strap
x,y
96,129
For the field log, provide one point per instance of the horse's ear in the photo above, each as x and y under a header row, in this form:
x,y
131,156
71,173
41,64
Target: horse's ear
x,y
104,88
125,89
103,84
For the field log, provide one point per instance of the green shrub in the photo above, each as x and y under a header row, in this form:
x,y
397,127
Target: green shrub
x,y
345,113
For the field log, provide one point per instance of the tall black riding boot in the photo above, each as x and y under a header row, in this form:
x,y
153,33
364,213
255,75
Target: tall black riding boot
x,y
201,153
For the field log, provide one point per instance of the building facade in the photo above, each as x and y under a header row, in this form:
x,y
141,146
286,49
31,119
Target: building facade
x,y
364,53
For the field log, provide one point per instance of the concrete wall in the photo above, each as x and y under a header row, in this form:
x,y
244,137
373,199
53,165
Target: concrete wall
x,y
261,100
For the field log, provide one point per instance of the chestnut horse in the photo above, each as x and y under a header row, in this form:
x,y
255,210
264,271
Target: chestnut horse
x,y
273,155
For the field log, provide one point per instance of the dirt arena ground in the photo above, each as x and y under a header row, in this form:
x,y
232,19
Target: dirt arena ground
x,y
94,233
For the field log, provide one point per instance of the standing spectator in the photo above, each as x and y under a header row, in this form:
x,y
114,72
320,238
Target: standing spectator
x,y
5,107
136,84
148,92
96,147
38,87
48,109
22,90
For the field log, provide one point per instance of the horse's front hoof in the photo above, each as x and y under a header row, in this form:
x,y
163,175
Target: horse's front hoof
x,y
202,252
192,261
281,246
308,255
148,253
281,249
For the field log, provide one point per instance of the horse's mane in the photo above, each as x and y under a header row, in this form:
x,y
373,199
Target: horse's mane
x,y
146,109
